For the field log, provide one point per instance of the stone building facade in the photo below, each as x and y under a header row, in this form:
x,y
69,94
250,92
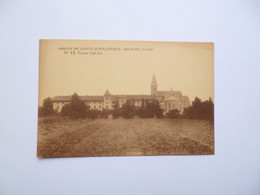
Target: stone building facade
x,y
168,100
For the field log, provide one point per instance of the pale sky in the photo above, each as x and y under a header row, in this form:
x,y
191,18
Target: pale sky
x,y
186,67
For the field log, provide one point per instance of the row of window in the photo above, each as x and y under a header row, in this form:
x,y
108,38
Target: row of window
x,y
95,103
60,102
95,107
171,107
100,104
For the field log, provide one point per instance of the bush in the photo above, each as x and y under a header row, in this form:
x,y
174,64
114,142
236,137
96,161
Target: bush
x,y
117,111
128,110
93,114
105,113
200,110
150,109
173,114
75,109
46,109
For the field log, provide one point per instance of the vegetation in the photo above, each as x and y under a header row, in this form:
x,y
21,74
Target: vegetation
x,y
75,109
200,110
47,108
128,110
94,113
173,114
117,111
120,137
150,109
60,136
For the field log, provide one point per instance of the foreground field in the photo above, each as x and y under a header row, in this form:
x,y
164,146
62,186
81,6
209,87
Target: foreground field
x,y
61,137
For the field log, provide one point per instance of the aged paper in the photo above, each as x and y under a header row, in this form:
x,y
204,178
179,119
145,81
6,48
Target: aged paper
x,y
125,98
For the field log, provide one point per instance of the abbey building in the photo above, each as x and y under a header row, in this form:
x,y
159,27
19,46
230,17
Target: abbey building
x,y
168,100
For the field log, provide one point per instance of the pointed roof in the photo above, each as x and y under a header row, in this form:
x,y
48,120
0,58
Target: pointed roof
x,y
107,93
154,82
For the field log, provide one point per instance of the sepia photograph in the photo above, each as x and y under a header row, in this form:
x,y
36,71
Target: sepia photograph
x,y
129,97
125,98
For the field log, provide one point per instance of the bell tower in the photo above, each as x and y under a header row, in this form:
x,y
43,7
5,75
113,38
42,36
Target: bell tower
x,y
154,86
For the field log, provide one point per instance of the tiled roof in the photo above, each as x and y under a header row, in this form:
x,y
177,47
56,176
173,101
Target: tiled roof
x,y
185,98
172,95
100,98
161,96
172,98
61,98
166,93
83,98
162,93
134,97
91,97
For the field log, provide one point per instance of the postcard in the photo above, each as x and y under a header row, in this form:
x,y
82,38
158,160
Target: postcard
x,y
125,98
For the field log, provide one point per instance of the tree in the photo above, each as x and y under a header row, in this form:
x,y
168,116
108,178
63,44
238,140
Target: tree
x,y
47,108
94,113
141,112
117,111
128,110
200,110
75,109
150,109
105,113
158,110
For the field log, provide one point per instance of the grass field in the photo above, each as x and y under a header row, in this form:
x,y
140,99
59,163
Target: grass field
x,y
60,137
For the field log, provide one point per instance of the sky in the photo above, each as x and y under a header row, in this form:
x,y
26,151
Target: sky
x,y
90,67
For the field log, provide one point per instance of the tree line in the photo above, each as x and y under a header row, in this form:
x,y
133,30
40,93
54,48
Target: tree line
x,y
202,110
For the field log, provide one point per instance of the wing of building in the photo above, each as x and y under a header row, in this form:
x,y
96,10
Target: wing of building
x,y
168,100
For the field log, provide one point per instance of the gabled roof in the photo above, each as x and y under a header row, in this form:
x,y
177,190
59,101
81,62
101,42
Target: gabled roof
x,y
185,98
162,93
172,98
167,93
107,93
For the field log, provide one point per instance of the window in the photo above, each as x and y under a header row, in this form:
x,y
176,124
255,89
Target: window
x,y
107,106
57,107
99,106
95,106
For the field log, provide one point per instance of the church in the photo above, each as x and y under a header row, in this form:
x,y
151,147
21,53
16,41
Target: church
x,y
168,100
